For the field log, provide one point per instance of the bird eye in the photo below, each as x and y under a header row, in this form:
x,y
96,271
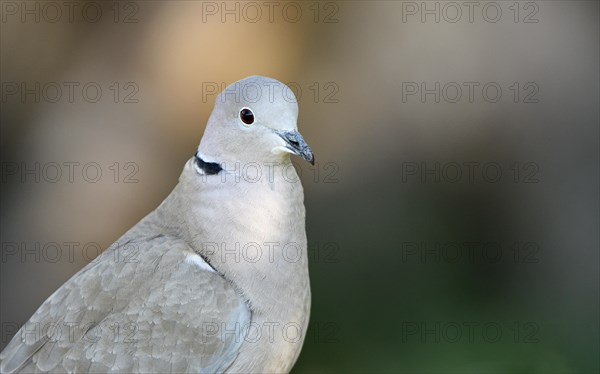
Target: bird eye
x,y
247,116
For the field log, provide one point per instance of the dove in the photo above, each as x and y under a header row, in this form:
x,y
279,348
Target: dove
x,y
215,279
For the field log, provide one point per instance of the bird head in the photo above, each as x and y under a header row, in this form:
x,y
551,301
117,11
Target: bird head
x,y
254,120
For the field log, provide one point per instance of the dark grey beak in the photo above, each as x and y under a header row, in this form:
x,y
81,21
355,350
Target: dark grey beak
x,y
297,144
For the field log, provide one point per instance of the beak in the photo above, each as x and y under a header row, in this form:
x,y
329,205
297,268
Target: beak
x,y
297,145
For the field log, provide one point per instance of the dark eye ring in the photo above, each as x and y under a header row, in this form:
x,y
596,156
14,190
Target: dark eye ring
x,y
247,116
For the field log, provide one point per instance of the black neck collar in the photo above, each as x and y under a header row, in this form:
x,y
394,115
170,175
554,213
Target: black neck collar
x,y
208,168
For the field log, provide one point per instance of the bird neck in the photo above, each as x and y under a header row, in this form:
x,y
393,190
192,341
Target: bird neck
x,y
251,231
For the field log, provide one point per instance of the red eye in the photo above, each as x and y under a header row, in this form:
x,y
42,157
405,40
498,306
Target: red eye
x,y
247,116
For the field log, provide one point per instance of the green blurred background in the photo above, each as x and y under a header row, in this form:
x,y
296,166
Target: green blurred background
x,y
412,271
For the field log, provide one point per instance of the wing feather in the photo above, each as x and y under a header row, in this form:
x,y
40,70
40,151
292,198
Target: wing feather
x,y
150,311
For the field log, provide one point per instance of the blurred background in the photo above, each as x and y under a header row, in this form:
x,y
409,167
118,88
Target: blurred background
x,y
452,216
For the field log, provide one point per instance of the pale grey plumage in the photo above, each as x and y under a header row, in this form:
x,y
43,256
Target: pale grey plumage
x,y
151,303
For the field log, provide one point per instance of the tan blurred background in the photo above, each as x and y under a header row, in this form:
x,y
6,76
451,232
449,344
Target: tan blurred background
x,y
375,298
